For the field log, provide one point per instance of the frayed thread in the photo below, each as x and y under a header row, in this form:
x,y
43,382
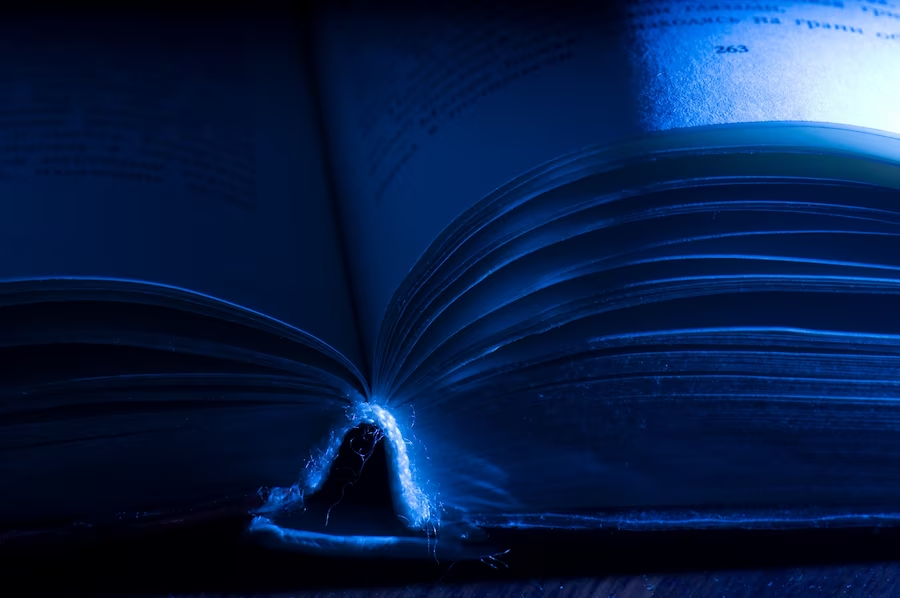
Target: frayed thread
x,y
415,507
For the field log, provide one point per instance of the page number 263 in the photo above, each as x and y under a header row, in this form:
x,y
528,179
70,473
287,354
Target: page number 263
x,y
731,49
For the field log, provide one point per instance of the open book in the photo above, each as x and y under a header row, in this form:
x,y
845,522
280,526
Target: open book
x,y
633,266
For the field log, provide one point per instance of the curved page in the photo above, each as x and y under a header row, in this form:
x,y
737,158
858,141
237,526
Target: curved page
x,y
171,146
662,339
123,399
432,106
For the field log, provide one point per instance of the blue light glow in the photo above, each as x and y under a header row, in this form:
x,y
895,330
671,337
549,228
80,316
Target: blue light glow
x,y
414,506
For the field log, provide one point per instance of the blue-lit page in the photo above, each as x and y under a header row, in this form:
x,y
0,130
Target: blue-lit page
x,y
433,106
627,349
177,150
173,309
677,319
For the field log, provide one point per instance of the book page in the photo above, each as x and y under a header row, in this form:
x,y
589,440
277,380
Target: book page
x,y
177,149
430,109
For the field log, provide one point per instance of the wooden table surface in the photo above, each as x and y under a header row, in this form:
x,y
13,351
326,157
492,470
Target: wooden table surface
x,y
215,558
869,580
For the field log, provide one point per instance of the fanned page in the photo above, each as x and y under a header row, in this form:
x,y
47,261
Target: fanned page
x,y
433,107
173,305
628,266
